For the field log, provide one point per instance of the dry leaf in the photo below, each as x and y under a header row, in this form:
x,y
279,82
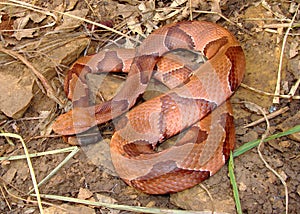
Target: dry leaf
x,y
21,22
37,17
126,11
9,175
15,96
293,49
71,23
45,128
67,209
71,4
135,26
215,7
105,199
84,194
25,33
147,6
177,3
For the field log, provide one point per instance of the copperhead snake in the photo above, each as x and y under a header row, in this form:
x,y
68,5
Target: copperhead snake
x,y
199,102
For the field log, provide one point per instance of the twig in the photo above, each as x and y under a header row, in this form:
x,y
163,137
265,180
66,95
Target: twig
x,y
268,7
32,201
190,10
210,197
33,178
280,25
264,136
57,168
9,141
277,89
57,151
269,116
270,94
119,207
294,88
6,201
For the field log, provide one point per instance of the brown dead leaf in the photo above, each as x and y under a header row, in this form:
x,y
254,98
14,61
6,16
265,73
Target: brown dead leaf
x,y
9,175
71,4
105,199
215,7
177,3
126,10
21,23
294,49
67,209
135,26
25,33
70,23
15,95
84,194
147,6
37,17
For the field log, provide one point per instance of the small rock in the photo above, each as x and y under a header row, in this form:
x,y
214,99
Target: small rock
x,y
105,199
84,194
283,175
285,144
272,177
9,175
197,199
242,186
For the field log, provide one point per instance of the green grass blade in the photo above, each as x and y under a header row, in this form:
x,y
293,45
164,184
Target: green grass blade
x,y
247,146
234,185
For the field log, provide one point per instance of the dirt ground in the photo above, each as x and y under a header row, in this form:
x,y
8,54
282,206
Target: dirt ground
x,y
50,42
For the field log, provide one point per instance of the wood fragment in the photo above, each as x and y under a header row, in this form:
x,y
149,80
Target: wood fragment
x,y
269,116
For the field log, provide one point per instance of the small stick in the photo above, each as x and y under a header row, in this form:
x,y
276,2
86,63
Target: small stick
x,y
277,89
294,88
225,18
281,25
264,136
269,116
270,94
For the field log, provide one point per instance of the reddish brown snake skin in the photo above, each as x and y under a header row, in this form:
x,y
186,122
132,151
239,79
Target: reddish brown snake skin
x,y
205,147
